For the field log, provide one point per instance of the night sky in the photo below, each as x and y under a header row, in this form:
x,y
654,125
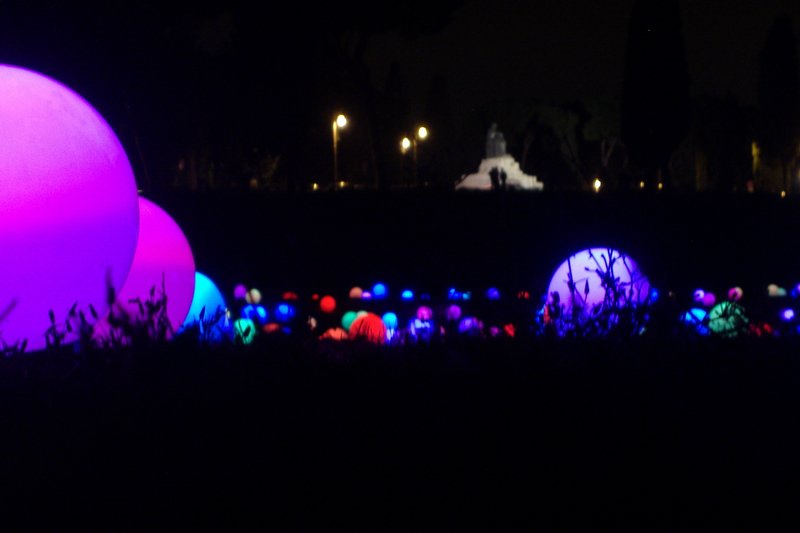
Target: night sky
x,y
175,77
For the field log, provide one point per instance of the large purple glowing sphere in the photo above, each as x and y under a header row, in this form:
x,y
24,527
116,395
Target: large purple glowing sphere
x,y
68,205
597,276
163,256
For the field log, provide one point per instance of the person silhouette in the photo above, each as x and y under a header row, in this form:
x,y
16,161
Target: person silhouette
x,y
494,174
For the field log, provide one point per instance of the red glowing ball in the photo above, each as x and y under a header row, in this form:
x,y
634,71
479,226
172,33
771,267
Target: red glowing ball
x,y
327,304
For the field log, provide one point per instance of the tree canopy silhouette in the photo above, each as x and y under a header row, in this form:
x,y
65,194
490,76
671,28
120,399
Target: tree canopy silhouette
x,y
655,93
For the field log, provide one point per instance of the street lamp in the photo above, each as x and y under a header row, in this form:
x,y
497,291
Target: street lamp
x,y
407,144
339,123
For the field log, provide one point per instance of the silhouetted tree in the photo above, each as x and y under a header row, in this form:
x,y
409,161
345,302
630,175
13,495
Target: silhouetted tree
x,y
779,98
438,167
655,92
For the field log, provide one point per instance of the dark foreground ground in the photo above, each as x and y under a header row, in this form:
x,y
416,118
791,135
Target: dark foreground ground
x,y
552,435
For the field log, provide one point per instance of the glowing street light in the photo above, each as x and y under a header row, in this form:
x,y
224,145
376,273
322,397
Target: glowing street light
x,y
339,123
407,144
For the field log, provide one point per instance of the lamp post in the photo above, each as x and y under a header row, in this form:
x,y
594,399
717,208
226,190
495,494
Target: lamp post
x,y
339,123
407,144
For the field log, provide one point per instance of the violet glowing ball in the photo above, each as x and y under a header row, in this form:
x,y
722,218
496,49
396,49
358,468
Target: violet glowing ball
x,y
68,205
590,269
162,251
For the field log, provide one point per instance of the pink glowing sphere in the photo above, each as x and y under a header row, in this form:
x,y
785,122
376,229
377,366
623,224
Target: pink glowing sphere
x,y
162,255
68,205
592,272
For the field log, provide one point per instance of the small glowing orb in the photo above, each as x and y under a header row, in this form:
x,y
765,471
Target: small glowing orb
x,y
425,313
284,312
698,296
727,319
735,294
453,313
327,304
709,299
390,320
256,313
245,330
493,294
470,326
163,257
240,292
253,296
366,295
379,291
787,315
368,327
407,295
355,293
597,184
290,296
207,300
655,294
587,278
68,205
348,318
696,319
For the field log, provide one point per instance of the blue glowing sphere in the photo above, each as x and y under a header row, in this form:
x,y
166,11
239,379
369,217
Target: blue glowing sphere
x,y
407,295
787,315
695,318
379,291
256,313
206,296
493,294
284,312
390,320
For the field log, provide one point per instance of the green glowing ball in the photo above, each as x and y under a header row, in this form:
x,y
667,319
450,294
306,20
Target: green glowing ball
x,y
727,319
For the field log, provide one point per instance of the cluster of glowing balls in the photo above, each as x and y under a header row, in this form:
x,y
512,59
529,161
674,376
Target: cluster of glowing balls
x,y
163,261
207,303
284,312
774,291
256,313
68,205
455,294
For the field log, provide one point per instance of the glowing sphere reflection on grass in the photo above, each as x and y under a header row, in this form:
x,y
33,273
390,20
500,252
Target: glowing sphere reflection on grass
x,y
162,253
68,205
594,270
